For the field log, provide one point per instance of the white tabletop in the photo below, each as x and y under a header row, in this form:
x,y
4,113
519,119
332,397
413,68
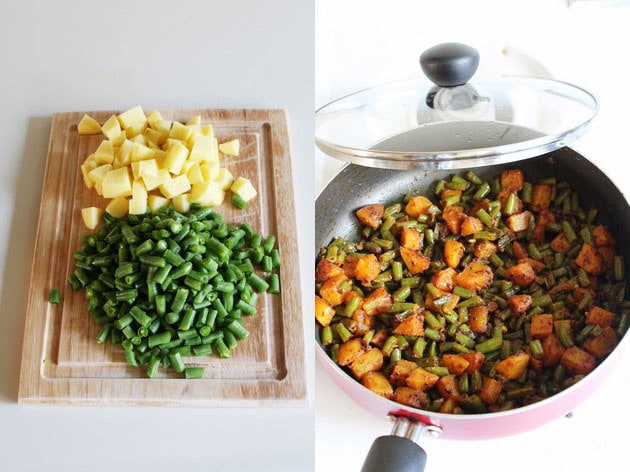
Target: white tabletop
x,y
78,55
360,44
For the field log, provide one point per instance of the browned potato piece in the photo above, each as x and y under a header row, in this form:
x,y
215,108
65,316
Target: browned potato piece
x,y
536,265
410,238
367,362
541,197
478,319
519,303
361,322
455,363
422,379
602,236
589,260
519,221
377,302
447,387
542,220
323,311
453,252
599,316
415,261
512,367
378,383
367,268
475,276
490,390
521,274
451,303
417,206
371,215
325,270
402,370
475,360
483,249
333,290
350,350
607,255
519,251
453,217
542,326
561,244
410,397
552,350
470,225
512,180
602,345
577,361
443,279
413,325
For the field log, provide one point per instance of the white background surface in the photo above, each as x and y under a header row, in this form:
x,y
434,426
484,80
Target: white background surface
x,y
82,55
364,43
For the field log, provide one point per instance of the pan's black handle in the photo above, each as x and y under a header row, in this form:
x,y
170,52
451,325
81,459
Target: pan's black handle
x,y
449,64
394,454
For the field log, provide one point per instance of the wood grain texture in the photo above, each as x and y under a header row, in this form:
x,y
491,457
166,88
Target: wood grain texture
x,y
62,363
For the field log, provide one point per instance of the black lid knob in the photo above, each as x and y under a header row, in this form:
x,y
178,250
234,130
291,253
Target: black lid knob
x,y
449,64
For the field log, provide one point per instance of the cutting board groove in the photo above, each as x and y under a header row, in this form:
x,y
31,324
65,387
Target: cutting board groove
x,y
62,363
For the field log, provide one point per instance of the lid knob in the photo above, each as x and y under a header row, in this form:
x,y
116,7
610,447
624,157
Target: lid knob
x,y
449,64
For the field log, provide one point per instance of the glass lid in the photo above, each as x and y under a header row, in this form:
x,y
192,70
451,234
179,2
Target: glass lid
x,y
451,123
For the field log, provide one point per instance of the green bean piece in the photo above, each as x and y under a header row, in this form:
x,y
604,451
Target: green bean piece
x,y
176,361
53,296
619,268
492,344
564,333
197,372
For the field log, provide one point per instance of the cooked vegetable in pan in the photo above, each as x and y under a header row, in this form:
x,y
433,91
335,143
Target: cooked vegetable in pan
x,y
498,295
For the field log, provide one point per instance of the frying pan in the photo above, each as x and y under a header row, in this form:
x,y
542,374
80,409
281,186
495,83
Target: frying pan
x,y
355,186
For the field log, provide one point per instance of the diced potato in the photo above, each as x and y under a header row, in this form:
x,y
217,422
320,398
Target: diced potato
x,y
371,215
349,351
475,276
88,125
155,202
447,387
512,180
542,220
444,279
421,379
415,261
519,251
577,361
561,244
378,383
117,183
410,397
207,130
401,371
470,226
377,302
417,206
207,193
519,304
538,266
512,367
446,197
453,252
104,154
607,255
410,238
333,290
175,157
132,117
151,183
244,189
483,249
230,148
475,360
602,345
589,259
600,317
521,274
195,120
123,154
541,197
89,165
201,149
138,206
454,216
111,128
411,326
148,168
154,136
552,350
602,236
137,138
179,131
117,207
163,126
140,152
478,319
175,186
323,311
455,363
195,176
490,390
181,203
542,326
154,118
224,179
326,269
210,170
367,268
91,216
371,360
98,174
519,221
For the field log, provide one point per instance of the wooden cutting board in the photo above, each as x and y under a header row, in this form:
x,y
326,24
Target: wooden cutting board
x,y
61,361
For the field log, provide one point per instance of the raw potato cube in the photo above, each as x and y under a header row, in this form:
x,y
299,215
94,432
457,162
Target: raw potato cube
x,y
207,130
224,179
154,118
118,207
140,152
210,170
175,186
138,190
97,176
123,155
175,157
91,216
132,117
207,193
117,183
154,136
179,131
86,167
230,148
202,149
104,154
156,202
88,125
111,128
195,120
164,127
136,131
151,183
137,206
244,189
194,173
142,168
181,202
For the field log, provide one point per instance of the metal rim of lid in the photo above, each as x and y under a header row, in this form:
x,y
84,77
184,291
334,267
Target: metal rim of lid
x,y
456,159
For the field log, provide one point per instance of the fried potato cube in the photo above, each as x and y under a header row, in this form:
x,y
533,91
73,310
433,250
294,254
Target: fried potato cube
x,y
475,276
475,360
519,304
453,252
350,350
599,316
589,259
444,279
454,217
455,363
410,397
602,345
367,268
323,311
483,249
369,361
542,326
577,361
561,244
422,379
490,390
512,367
361,322
478,319
401,371
371,215
418,206
521,274
607,255
379,301
519,221
325,270
512,180
413,325
470,225
447,387
410,238
602,236
541,197
519,251
552,350
378,383
415,261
